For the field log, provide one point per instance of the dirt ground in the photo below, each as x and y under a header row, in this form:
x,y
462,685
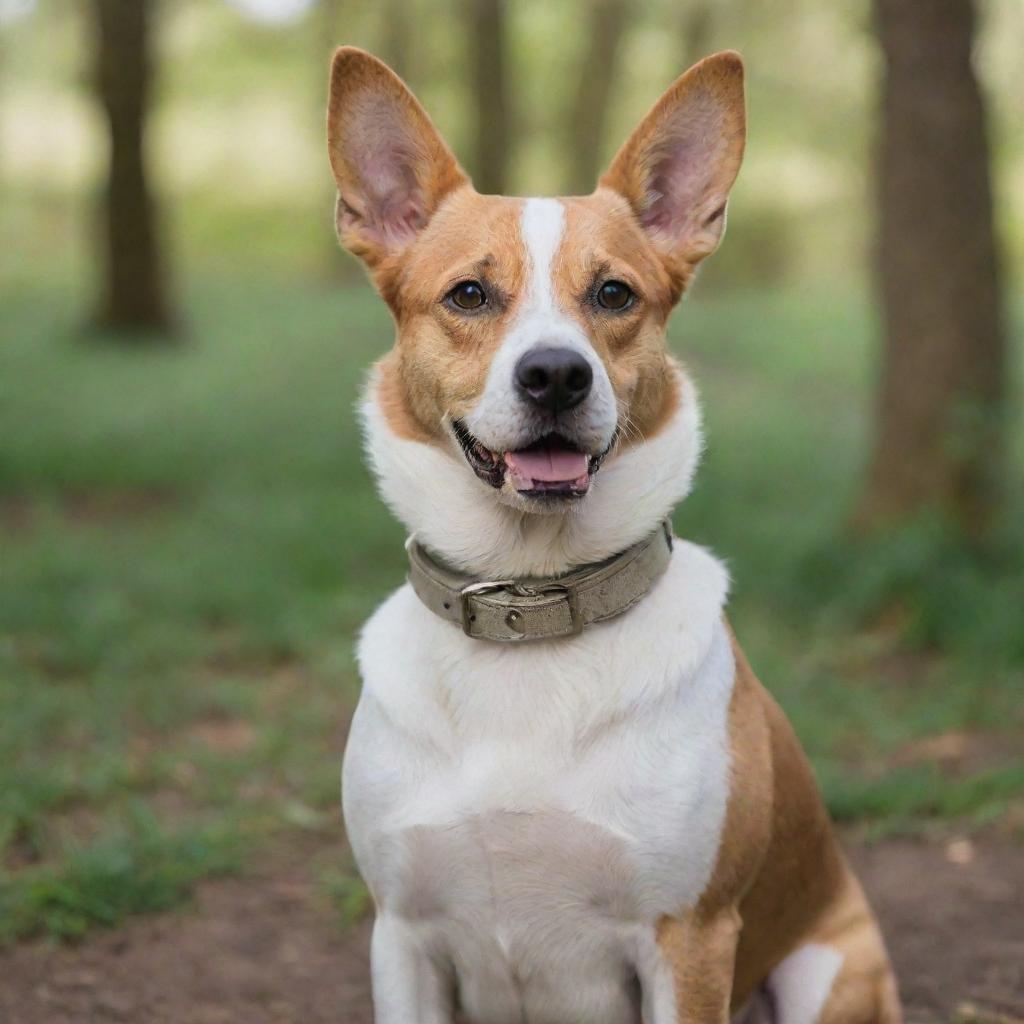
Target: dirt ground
x,y
265,950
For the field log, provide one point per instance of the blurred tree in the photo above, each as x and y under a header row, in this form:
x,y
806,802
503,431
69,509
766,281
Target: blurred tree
x,y
397,44
134,287
588,113
331,29
939,420
489,85
698,20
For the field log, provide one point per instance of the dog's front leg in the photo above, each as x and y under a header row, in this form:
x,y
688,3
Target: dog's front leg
x,y
700,951
408,986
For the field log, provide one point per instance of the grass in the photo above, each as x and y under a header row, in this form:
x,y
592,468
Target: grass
x,y
189,542
130,870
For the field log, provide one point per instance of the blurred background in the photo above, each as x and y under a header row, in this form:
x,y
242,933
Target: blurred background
x,y
189,540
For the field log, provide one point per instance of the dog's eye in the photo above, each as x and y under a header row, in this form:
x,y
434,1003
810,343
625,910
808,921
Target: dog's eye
x,y
615,295
468,295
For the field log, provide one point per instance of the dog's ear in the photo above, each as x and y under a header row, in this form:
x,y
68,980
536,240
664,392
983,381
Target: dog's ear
x,y
677,167
391,165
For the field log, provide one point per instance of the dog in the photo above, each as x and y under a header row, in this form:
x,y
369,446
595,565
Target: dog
x,y
570,798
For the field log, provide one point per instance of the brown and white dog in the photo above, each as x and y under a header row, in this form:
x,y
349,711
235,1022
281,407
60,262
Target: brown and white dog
x,y
617,825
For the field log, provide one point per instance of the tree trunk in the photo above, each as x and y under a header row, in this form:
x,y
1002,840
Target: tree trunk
x,y
486,40
588,115
697,25
398,45
133,297
940,413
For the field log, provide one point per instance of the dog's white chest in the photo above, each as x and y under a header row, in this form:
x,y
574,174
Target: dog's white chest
x,y
525,815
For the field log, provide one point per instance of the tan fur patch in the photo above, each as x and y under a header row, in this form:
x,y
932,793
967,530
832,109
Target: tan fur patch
x,y
780,877
603,241
802,870
393,398
442,357
700,950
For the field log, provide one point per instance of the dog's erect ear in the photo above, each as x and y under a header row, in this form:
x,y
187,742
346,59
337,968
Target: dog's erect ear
x,y
391,165
677,167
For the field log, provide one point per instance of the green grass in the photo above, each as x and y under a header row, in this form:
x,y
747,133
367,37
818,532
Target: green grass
x,y
128,871
189,541
347,894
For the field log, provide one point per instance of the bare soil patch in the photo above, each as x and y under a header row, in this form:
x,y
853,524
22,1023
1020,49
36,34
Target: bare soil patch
x,y
266,949
953,917
263,949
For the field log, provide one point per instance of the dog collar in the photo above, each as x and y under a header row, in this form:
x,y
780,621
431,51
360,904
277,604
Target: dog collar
x,y
540,608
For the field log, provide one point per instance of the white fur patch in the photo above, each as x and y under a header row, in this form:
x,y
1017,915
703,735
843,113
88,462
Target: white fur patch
x,y
501,419
797,990
525,814
802,982
542,225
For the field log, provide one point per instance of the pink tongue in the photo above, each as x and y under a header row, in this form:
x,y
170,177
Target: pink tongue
x,y
547,465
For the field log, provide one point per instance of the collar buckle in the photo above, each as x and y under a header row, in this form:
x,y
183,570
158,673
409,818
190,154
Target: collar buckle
x,y
515,616
467,593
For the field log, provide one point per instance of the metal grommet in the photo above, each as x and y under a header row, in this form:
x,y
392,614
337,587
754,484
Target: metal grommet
x,y
514,620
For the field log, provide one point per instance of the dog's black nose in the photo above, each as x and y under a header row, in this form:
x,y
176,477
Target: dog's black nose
x,y
554,378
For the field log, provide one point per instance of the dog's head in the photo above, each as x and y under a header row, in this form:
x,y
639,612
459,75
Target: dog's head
x,y
530,347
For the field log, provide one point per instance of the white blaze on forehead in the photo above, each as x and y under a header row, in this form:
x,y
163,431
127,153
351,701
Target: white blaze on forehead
x,y
501,420
542,226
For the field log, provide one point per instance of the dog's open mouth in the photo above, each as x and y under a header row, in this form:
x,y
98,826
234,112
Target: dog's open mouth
x,y
551,466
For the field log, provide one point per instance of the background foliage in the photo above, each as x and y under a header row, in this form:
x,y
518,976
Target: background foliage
x,y
189,540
